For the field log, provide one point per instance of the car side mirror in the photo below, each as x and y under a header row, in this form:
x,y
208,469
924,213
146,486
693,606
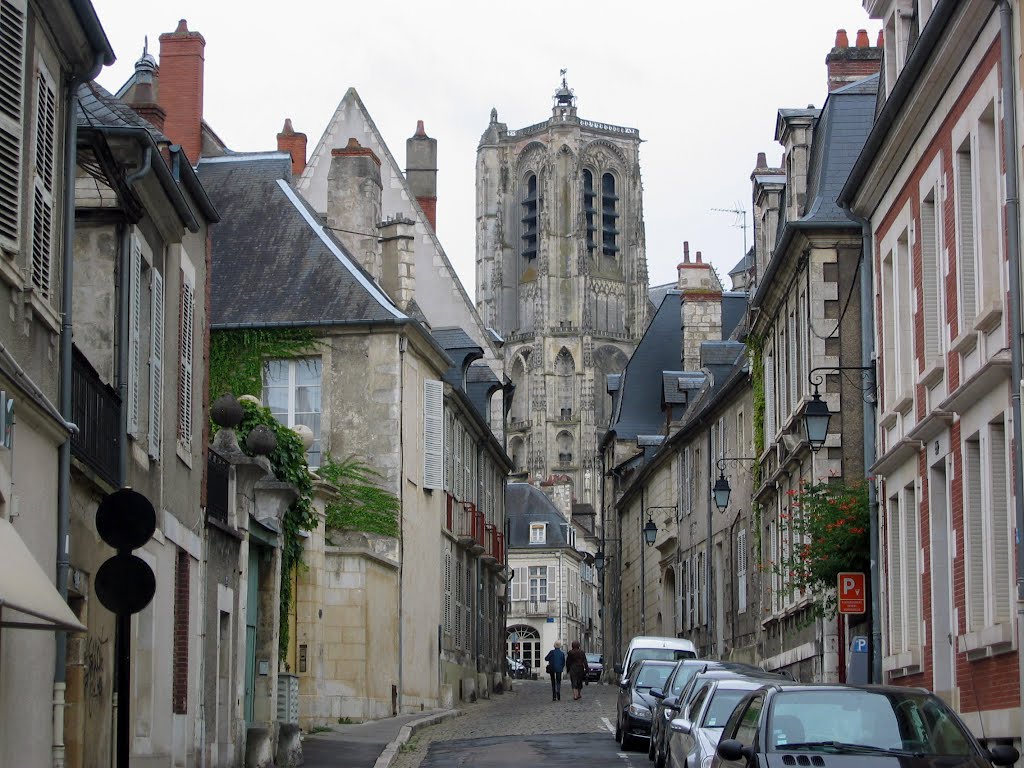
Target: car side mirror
x,y
731,749
671,702
657,693
681,725
1003,754
618,669
624,683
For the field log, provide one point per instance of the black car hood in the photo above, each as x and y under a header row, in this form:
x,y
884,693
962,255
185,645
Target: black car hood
x,y
824,760
643,696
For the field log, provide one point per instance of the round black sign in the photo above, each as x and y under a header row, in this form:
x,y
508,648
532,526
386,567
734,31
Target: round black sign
x,y
125,584
125,519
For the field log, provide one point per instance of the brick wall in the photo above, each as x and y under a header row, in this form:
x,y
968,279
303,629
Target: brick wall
x,y
181,87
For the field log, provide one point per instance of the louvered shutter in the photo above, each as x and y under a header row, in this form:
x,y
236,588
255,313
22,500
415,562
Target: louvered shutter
x,y
895,580
156,356
433,434
769,401
134,334
449,475
741,571
42,184
1000,567
12,72
552,592
458,600
185,359
931,275
447,593
911,569
974,534
966,258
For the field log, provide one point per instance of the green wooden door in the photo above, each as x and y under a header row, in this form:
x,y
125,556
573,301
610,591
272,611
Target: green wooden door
x,y
251,617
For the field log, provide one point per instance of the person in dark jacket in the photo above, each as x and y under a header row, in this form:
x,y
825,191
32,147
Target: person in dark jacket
x,y
556,665
576,662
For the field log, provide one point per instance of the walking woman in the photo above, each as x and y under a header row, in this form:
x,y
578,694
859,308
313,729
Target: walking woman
x,y
576,663
556,665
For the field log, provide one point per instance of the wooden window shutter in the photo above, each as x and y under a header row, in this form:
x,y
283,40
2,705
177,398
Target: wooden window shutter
x,y
12,69
433,434
447,593
156,354
185,355
965,256
134,333
741,571
42,185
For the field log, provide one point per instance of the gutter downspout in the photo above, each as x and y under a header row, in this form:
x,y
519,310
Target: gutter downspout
x,y
708,570
867,356
60,672
1013,257
403,343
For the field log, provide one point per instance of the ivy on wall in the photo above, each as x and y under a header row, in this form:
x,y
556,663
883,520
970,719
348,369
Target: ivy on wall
x,y
361,504
236,357
755,353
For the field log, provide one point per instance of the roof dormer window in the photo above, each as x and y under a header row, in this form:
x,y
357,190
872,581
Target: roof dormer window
x,y
538,533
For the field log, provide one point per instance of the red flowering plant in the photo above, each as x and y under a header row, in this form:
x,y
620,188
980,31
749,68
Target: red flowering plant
x,y
827,526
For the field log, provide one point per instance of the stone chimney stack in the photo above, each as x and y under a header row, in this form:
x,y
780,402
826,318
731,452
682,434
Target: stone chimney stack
x,y
143,96
421,171
701,314
353,203
398,257
182,56
846,65
295,145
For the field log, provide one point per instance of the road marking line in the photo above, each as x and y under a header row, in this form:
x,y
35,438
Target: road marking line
x,y
608,724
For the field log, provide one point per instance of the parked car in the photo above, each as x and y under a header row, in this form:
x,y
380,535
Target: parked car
x,y
881,725
679,686
595,667
661,648
633,710
516,669
693,736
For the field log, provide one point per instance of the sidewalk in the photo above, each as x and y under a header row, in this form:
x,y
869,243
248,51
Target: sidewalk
x,y
372,744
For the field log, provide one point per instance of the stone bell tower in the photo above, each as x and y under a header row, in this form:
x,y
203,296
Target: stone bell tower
x,y
561,275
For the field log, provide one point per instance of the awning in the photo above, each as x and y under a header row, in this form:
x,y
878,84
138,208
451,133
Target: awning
x,y
28,599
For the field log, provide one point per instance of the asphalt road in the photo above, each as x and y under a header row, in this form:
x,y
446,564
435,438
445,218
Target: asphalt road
x,y
525,728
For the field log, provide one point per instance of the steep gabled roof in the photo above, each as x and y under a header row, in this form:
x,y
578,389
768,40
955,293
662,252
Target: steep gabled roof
x,y
440,294
525,504
274,262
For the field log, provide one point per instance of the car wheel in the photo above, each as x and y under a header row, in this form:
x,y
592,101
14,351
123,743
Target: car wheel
x,y
628,742
661,758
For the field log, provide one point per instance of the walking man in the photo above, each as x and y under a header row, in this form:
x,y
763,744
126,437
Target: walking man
x,y
556,665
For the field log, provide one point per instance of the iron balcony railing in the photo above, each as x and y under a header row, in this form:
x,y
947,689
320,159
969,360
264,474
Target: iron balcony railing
x,y
96,410
216,487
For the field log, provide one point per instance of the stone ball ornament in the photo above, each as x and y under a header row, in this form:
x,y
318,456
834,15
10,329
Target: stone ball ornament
x,y
305,435
250,399
227,411
261,440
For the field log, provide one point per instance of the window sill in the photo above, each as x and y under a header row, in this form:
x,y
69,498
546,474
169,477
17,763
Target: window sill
x,y
990,641
10,273
184,453
41,308
934,372
965,342
888,420
903,664
989,318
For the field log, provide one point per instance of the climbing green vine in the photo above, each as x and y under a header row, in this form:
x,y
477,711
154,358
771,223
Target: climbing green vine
x,y
755,355
236,357
360,504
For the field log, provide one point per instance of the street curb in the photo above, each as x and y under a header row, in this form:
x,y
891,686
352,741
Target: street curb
x,y
387,757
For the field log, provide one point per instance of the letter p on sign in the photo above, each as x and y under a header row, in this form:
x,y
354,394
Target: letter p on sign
x,y
852,592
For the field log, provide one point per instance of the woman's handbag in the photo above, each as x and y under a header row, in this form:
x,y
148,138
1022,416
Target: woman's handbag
x,y
549,670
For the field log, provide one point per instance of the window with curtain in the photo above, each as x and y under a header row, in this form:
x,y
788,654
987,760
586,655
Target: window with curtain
x,y
291,389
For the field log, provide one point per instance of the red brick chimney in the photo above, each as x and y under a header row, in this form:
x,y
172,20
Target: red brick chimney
x,y
294,144
181,87
847,65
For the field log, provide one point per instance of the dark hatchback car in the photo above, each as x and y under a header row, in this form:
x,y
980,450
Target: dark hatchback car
x,y
831,725
635,703
595,667
679,684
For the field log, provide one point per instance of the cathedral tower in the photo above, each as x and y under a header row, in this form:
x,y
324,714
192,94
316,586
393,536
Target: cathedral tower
x,y
561,275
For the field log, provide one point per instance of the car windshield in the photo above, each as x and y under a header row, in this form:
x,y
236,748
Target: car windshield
x,y
652,675
722,704
686,671
661,654
853,720
593,658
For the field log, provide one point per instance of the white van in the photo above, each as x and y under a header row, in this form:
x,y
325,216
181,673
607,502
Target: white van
x,y
659,648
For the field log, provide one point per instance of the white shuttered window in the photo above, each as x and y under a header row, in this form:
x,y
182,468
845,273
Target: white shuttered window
x,y
433,434
42,183
741,571
134,334
156,364
185,360
12,68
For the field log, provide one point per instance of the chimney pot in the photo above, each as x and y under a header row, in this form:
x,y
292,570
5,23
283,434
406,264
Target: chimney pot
x,y
881,39
762,160
419,129
294,144
182,28
842,41
686,251
699,261
862,39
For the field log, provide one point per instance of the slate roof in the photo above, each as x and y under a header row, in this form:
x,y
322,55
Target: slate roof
x,y
98,108
678,386
525,504
637,409
743,264
734,309
657,293
273,260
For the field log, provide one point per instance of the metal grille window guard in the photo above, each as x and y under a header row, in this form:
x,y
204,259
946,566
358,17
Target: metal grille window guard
x,y
96,409
217,487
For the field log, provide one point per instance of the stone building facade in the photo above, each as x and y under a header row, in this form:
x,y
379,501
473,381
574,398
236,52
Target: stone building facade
x,y
561,275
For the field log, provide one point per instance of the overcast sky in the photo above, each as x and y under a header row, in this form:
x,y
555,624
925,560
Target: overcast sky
x,y
701,81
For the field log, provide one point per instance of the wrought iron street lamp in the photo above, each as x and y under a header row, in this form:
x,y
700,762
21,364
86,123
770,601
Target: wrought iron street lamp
x,y
722,490
816,413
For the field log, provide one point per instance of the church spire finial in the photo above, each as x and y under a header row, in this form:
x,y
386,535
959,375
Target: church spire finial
x,y
564,96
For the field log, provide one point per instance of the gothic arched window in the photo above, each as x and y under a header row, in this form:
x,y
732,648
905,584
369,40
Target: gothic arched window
x,y
565,443
521,395
609,216
589,211
565,375
530,218
517,452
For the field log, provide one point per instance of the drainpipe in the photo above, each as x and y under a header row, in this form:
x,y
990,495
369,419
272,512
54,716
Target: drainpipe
x,y
64,454
708,570
403,343
867,356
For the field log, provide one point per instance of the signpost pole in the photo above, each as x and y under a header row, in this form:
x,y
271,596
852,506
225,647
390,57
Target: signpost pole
x,y
124,694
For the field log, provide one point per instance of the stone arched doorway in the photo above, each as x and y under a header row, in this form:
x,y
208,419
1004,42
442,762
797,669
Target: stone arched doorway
x,y
522,643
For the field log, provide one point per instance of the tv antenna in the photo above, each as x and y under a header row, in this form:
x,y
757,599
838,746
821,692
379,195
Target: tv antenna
x,y
741,220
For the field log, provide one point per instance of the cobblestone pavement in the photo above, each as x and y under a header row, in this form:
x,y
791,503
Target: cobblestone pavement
x,y
526,710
